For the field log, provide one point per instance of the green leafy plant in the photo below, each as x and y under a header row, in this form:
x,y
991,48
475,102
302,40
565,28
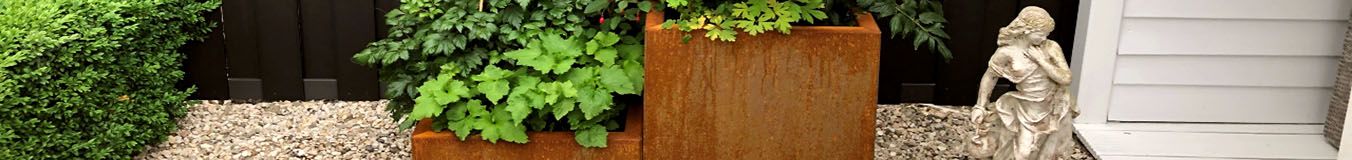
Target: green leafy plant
x,y
722,18
92,79
500,68
920,20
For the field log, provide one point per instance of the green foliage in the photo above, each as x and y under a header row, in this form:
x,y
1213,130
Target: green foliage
x,y
921,20
500,68
722,19
92,79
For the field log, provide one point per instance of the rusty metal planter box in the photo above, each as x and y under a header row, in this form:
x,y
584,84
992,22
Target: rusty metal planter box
x,y
428,144
807,95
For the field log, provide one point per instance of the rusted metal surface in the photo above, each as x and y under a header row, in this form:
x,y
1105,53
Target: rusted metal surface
x,y
543,145
808,95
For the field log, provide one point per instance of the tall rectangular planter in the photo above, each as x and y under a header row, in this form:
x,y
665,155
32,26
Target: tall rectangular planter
x,y
543,145
810,94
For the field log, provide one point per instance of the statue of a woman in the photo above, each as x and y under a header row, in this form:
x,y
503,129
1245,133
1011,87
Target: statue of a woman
x,y
1035,121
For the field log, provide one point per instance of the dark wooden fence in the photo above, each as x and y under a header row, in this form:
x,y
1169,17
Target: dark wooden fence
x,y
287,50
301,49
909,76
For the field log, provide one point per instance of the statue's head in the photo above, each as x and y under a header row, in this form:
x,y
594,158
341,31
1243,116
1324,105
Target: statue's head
x,y
1032,26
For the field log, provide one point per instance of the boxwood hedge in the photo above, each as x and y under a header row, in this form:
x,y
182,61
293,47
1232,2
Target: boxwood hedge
x,y
92,79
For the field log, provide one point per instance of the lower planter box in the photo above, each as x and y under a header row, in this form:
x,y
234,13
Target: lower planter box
x,y
808,95
428,144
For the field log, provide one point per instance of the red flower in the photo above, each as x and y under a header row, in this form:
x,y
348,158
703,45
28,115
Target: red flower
x,y
603,19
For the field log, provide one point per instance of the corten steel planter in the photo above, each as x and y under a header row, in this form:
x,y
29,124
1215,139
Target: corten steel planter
x,y
428,144
810,94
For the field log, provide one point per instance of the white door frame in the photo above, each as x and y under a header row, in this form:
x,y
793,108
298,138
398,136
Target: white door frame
x,y
1094,58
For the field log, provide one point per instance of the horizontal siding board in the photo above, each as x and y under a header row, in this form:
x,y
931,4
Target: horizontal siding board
x,y
1240,9
1219,104
1250,71
1152,36
1186,145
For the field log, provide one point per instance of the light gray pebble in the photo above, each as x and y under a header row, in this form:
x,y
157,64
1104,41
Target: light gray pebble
x,y
923,131
284,130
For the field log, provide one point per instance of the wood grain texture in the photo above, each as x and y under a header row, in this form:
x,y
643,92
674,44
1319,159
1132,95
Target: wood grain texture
x,y
356,26
205,66
279,49
808,95
622,145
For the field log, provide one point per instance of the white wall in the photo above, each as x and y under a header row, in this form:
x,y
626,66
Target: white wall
x,y
1250,61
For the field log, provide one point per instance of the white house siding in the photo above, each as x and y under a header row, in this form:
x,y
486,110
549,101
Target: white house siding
x,y
1247,61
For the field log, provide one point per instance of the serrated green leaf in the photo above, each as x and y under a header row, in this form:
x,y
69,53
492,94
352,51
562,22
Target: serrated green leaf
x,y
593,101
457,89
488,130
606,56
645,6
581,75
563,66
931,17
493,90
523,54
425,107
607,38
567,89
551,92
594,136
458,111
616,79
553,43
518,109
512,132
596,5
523,3
635,74
591,47
476,108
462,128
562,108
676,3
631,52
895,25
492,73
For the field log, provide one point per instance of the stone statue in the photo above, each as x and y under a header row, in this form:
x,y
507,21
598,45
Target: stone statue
x,y
1035,121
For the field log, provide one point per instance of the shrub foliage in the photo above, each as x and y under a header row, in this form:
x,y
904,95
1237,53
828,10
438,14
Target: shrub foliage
x,y
92,79
501,67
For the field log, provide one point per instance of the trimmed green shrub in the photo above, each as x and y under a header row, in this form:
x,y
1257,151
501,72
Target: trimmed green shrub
x,y
92,79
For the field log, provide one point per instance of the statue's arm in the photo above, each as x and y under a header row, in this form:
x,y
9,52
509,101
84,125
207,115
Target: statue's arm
x,y
1055,63
988,79
987,85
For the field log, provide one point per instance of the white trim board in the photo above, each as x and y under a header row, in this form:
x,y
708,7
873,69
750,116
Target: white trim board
x,y
1240,9
1094,58
1155,141
1207,128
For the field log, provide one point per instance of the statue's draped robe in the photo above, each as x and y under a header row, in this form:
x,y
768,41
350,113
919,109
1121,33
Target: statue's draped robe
x,y
1035,121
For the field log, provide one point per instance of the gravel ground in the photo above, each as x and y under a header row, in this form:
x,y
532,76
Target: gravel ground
x,y
284,130
922,131
362,130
